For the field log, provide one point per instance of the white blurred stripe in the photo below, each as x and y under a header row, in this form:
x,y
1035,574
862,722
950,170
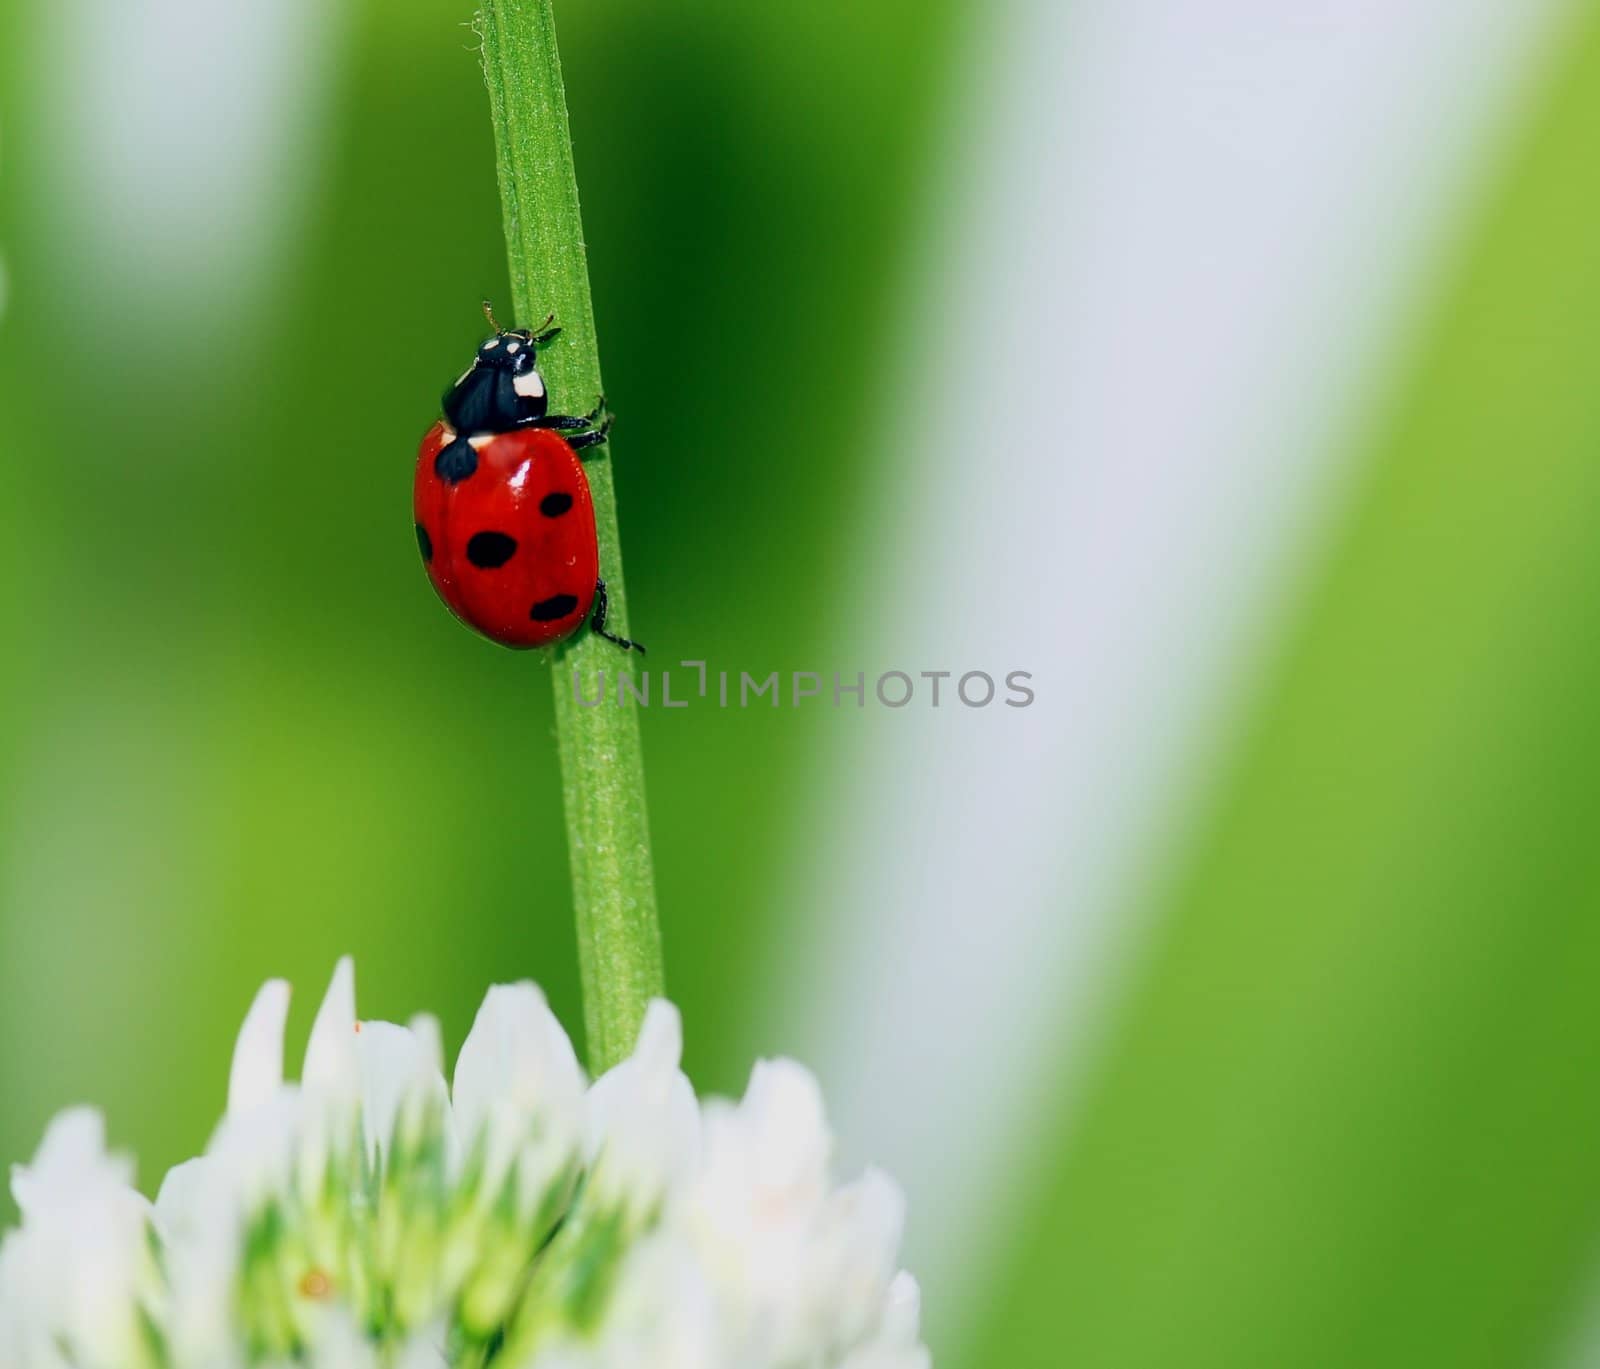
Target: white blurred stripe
x,y
185,133
1182,249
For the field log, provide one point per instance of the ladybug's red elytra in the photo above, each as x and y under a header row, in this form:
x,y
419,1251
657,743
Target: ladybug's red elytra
x,y
505,521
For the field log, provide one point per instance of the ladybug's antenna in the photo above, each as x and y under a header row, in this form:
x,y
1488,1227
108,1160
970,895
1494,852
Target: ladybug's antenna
x,y
488,313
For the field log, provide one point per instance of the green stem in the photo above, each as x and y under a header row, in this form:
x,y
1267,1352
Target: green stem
x,y
602,769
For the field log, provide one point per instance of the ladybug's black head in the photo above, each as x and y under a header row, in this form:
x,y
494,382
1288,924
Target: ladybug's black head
x,y
502,389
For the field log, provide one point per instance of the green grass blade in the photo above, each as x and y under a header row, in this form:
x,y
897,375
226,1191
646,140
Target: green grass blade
x,y
602,768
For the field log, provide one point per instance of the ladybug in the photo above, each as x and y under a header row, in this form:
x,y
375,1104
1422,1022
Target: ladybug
x,y
505,521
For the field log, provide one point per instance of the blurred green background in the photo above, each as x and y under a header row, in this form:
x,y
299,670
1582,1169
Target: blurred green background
x,y
1344,1108
242,737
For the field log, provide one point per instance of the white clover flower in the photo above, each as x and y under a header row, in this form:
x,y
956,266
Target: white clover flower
x,y
370,1217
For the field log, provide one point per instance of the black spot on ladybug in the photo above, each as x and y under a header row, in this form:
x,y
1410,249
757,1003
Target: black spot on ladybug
x,y
456,461
424,543
554,505
490,550
556,606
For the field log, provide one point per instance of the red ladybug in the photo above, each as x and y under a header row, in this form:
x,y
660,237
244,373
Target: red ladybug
x,y
505,522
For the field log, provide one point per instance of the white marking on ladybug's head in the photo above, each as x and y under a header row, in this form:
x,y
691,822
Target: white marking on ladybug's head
x,y
490,345
481,440
513,347
530,384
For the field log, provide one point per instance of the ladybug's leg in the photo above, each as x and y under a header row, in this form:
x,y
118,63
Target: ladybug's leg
x,y
567,423
591,439
598,621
